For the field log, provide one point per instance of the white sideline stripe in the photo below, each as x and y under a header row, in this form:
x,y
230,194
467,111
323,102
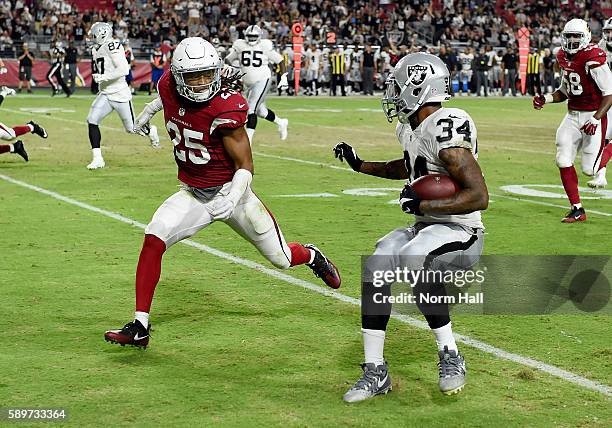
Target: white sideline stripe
x,y
500,353
548,204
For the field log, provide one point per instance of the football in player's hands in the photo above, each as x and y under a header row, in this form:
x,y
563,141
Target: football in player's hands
x,y
538,102
435,186
343,151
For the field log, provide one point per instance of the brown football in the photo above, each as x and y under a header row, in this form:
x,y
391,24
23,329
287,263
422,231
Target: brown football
x,y
435,186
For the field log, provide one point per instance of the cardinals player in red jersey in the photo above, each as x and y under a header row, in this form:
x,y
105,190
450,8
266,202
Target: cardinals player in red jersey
x,y
587,85
205,119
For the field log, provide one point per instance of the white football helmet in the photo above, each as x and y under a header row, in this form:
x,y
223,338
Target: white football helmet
x,y
607,31
100,33
417,79
575,36
252,34
196,61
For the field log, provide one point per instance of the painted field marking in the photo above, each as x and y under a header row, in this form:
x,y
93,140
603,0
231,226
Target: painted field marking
x,y
498,352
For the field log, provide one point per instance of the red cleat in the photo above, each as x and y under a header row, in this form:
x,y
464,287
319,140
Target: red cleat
x,y
323,268
574,215
133,333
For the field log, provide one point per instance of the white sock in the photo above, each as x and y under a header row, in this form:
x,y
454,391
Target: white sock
x,y
143,317
97,153
578,205
278,120
11,148
444,337
373,346
31,127
250,132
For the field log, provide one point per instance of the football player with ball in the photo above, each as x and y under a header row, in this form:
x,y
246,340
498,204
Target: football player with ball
x,y
447,232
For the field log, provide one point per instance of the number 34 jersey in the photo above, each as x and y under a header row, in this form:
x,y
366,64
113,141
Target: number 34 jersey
x,y
254,59
445,128
194,129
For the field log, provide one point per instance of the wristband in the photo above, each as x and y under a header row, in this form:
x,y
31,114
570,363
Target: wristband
x,y
548,98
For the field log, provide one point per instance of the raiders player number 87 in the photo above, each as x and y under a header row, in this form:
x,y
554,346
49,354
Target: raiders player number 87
x,y
109,70
447,233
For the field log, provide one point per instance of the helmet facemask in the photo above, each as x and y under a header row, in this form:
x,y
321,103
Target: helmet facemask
x,y
573,42
394,102
198,85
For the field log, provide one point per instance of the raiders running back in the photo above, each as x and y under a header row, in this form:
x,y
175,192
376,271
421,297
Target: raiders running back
x,y
447,127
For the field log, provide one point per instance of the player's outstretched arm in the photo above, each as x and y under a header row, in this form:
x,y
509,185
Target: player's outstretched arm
x,y
558,96
473,196
141,125
394,170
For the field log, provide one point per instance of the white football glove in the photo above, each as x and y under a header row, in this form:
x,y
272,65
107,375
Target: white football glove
x,y
3,70
283,83
222,208
141,124
98,78
590,126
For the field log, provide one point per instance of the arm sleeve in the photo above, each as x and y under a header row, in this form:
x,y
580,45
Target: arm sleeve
x,y
122,68
603,79
274,56
233,55
154,106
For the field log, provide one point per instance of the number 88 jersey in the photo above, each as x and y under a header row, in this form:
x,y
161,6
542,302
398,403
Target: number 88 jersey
x,y
193,127
445,128
254,59
582,92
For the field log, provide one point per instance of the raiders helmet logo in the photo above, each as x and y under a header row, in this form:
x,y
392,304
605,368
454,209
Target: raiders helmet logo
x,y
181,111
417,74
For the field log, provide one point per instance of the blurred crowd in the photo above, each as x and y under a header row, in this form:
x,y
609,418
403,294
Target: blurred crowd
x,y
476,38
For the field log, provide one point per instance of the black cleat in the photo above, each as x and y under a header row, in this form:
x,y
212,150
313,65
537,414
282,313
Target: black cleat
x,y
133,333
38,130
324,268
20,150
575,214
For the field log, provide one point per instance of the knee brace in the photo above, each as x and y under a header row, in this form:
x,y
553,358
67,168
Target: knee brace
x,y
251,121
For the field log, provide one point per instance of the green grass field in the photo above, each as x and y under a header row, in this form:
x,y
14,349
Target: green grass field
x,y
234,346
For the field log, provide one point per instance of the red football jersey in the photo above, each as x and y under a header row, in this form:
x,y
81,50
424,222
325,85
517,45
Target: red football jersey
x,y
582,91
198,148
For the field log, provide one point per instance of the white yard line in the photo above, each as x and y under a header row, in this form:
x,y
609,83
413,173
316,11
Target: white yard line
x,y
548,204
500,353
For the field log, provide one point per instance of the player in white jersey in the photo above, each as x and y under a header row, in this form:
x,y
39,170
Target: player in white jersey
x,y
254,56
465,58
606,45
313,69
447,234
110,67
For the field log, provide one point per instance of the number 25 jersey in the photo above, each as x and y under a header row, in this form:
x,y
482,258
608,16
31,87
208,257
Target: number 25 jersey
x,y
445,128
194,129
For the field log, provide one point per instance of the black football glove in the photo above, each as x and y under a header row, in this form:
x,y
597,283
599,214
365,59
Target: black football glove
x,y
345,152
409,201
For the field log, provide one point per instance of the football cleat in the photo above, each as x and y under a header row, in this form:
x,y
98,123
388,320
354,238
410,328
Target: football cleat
x,y
599,180
96,163
154,137
452,371
575,214
20,150
323,268
38,130
7,92
133,333
375,381
282,128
